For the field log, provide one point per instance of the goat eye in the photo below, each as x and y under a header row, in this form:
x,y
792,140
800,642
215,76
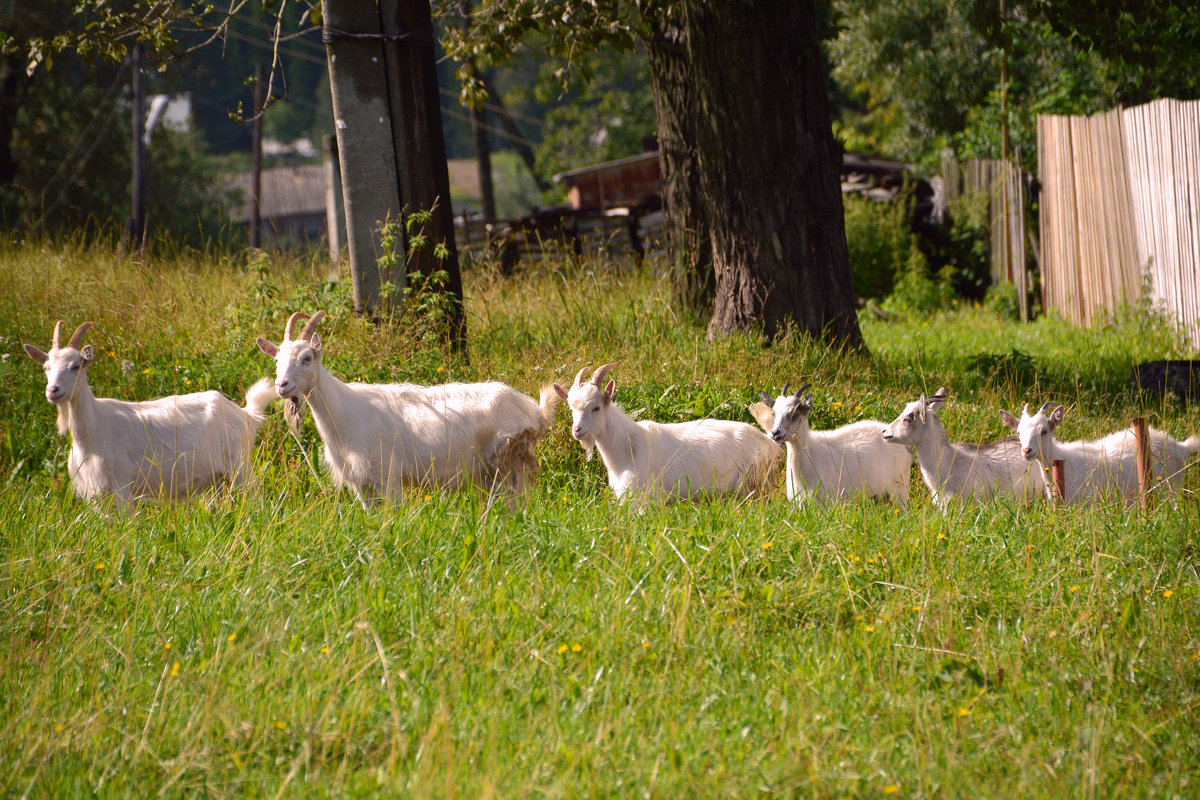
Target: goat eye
x,y
74,367
1043,433
594,410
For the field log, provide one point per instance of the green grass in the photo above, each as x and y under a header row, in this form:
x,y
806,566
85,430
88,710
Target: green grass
x,y
285,642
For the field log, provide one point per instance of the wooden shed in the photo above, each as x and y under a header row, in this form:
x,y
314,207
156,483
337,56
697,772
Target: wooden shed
x,y
632,181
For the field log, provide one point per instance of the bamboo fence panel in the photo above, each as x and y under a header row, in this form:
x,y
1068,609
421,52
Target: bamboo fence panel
x,y
1121,196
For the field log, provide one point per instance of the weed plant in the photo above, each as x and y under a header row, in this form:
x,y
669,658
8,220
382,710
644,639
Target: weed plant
x,y
283,641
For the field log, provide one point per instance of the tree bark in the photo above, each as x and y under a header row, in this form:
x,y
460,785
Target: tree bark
x,y
749,158
689,240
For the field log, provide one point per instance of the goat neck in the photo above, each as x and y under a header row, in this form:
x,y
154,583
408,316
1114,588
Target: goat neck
x,y
77,414
934,453
618,442
330,400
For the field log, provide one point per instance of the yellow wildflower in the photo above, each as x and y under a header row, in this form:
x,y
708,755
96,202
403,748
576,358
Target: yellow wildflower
x,y
175,668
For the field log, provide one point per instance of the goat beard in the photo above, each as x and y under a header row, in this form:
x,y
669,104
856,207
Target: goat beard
x,y
589,447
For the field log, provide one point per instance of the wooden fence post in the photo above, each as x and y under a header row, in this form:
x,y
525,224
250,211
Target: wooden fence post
x,y
1145,471
1059,485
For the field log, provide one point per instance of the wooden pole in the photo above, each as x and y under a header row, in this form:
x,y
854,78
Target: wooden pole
x,y
1058,474
137,217
479,134
1142,435
260,85
334,219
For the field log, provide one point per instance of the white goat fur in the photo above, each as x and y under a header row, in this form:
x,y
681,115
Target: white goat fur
x,y
955,469
1092,469
833,465
168,447
380,438
666,461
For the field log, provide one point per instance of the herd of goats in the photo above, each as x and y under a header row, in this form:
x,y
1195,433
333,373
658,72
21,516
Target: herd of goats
x,y
380,438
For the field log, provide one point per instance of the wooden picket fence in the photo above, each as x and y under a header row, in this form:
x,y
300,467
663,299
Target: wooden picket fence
x,y
1121,197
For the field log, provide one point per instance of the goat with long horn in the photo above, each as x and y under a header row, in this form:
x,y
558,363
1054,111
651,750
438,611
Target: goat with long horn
x,y
381,438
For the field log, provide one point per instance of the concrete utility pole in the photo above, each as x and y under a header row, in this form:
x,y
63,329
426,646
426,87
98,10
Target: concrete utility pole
x,y
136,229
362,120
392,152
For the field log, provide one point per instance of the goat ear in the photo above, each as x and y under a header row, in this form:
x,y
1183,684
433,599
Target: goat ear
x,y
267,347
315,344
560,391
89,355
807,402
1056,416
36,353
936,401
766,398
1008,419
610,389
764,415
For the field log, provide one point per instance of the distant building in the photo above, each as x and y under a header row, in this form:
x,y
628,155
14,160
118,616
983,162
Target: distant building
x,y
292,205
622,183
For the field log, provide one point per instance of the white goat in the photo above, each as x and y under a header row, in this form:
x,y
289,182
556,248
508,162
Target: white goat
x,y
160,448
380,438
666,460
1091,469
833,465
956,469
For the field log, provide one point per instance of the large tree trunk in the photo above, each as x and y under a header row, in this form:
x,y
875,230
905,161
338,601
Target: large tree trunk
x,y
749,127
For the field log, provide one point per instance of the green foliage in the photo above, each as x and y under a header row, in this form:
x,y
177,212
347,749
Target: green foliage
x,y
916,290
1002,300
921,76
73,159
966,245
608,118
879,238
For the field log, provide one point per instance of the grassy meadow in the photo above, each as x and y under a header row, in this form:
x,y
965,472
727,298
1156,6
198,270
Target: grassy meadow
x,y
283,642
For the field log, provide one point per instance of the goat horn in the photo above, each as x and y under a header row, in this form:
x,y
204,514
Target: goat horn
x,y
77,336
600,374
291,324
1047,407
579,377
802,389
785,388
310,327
57,335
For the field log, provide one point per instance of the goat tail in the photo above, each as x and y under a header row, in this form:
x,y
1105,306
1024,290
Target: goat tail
x,y
1192,445
548,401
259,397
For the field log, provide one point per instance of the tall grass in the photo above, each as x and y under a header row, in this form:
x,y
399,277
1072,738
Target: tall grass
x,y
285,642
